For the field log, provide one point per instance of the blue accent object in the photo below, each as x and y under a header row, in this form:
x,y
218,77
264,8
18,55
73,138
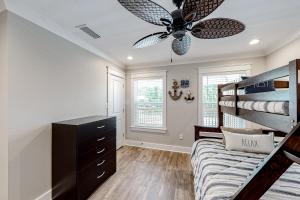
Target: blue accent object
x,y
266,86
185,83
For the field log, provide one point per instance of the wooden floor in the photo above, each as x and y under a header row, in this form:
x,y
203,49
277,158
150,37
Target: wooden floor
x,y
145,174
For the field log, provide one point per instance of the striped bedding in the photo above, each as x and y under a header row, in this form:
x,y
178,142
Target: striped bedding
x,y
278,107
219,173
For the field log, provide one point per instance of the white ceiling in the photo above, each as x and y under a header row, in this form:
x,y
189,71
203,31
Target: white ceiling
x,y
274,22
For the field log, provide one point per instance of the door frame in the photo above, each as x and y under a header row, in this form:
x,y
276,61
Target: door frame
x,y
119,74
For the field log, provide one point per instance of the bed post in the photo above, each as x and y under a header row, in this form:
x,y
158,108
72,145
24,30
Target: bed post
x,y
220,114
294,109
236,112
197,130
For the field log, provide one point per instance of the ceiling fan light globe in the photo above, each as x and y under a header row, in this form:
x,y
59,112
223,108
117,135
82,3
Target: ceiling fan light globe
x,y
181,47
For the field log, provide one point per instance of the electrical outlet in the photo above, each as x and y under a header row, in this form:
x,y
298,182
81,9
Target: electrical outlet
x,y
140,141
180,137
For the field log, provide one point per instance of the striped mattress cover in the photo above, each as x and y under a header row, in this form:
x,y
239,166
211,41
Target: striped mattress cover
x,y
218,173
277,107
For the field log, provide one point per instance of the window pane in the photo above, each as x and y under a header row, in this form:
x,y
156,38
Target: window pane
x,y
148,103
210,101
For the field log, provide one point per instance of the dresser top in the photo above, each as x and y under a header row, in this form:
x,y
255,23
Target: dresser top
x,y
84,120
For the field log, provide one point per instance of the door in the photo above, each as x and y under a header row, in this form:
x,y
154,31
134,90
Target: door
x,y
116,103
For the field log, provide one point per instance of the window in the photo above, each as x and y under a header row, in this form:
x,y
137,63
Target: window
x,y
149,102
208,100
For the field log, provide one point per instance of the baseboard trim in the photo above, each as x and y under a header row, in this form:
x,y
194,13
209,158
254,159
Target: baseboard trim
x,y
46,196
163,147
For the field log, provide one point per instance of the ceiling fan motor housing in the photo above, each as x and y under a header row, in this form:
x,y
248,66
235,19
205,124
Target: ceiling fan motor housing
x,y
178,3
179,26
180,21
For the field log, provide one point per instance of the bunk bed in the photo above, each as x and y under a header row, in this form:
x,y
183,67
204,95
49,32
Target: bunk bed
x,y
222,174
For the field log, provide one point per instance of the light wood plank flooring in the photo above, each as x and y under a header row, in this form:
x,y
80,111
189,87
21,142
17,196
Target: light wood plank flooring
x,y
145,174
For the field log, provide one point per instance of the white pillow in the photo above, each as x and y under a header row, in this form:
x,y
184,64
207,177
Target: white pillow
x,y
249,143
241,131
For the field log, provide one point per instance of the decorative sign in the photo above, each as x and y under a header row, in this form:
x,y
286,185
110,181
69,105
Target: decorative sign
x,y
185,83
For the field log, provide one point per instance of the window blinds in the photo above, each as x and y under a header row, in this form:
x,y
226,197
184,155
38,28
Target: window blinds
x,y
210,100
148,103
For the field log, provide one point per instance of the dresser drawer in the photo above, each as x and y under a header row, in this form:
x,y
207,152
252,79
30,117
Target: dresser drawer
x,y
91,178
95,129
97,167
96,139
98,152
100,161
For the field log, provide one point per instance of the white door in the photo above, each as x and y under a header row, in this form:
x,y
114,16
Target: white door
x,y
116,104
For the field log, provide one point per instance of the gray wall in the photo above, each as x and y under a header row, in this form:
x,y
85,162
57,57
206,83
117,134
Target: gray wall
x,y
2,6
3,107
284,55
181,116
49,79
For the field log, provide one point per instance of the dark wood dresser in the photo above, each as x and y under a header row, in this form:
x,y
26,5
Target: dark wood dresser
x,y
83,156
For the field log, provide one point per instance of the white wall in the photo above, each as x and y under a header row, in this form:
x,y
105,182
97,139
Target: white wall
x,y
3,107
2,6
284,55
49,79
181,116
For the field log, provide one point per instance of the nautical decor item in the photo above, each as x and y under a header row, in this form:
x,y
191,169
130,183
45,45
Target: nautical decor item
x,y
189,97
175,87
189,17
185,83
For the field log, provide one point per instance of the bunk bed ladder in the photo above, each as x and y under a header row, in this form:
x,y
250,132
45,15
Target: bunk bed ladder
x,y
272,168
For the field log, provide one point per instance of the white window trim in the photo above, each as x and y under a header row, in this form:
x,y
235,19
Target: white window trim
x,y
150,75
148,129
116,72
217,70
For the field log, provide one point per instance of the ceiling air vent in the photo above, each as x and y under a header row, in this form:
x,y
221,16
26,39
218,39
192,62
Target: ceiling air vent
x,y
88,31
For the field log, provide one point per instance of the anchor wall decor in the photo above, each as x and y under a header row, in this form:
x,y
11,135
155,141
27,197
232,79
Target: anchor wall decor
x,y
175,87
189,97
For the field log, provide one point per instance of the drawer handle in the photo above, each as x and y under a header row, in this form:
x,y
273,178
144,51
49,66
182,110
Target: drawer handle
x,y
99,164
100,139
99,152
101,175
100,127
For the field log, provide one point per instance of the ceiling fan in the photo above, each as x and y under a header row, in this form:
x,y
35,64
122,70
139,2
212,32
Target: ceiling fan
x,y
181,21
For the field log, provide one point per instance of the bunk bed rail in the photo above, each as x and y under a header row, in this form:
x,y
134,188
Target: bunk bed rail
x,y
284,123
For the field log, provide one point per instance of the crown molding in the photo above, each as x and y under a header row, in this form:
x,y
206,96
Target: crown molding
x,y
199,61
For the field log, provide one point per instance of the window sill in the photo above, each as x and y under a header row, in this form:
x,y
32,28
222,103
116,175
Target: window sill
x,y
149,130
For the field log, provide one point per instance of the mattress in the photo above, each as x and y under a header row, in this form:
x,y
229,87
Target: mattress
x,y
277,107
218,173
